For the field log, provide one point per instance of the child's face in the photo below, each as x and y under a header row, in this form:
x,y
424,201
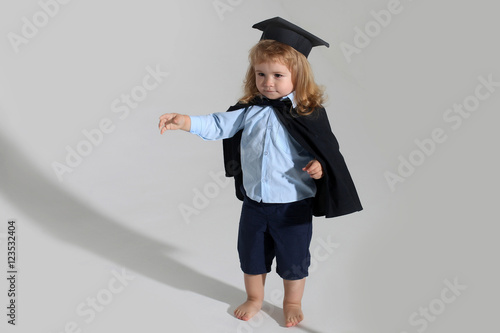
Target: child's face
x,y
273,79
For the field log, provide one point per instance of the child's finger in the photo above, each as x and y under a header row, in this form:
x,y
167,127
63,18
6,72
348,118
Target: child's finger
x,y
164,120
316,174
306,168
314,169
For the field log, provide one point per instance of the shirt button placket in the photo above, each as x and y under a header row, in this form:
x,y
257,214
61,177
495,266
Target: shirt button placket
x,y
265,180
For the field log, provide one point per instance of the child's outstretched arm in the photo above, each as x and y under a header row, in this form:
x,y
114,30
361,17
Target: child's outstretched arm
x,y
174,121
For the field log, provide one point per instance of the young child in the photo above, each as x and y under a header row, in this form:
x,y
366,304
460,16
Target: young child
x,y
279,146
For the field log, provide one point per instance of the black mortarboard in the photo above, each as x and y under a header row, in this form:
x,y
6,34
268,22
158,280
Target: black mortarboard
x,y
288,33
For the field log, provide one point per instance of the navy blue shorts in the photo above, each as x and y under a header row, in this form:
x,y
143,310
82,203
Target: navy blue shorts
x,y
281,230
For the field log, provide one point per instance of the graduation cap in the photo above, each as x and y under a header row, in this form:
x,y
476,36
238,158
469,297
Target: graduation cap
x,y
288,33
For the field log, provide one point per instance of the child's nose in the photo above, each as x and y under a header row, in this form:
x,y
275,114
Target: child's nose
x,y
268,82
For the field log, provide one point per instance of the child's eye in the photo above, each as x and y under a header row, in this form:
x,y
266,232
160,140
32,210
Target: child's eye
x,y
278,75
260,74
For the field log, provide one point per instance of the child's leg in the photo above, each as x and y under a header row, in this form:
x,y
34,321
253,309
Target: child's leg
x,y
254,285
292,303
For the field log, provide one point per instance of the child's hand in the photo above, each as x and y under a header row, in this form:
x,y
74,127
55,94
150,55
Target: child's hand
x,y
174,121
314,169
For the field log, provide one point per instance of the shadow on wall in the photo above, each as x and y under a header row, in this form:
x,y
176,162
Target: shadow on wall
x,y
64,216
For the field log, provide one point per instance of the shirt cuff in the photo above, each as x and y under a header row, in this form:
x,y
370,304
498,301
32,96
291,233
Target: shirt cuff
x,y
196,124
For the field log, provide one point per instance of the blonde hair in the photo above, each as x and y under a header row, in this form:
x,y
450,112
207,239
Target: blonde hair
x,y
308,95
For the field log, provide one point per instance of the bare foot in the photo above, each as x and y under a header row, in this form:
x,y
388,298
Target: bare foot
x,y
247,310
293,314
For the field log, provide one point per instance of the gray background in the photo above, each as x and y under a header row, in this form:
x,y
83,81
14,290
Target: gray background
x,y
120,208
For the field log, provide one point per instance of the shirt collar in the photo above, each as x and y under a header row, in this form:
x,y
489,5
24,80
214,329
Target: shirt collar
x,y
291,97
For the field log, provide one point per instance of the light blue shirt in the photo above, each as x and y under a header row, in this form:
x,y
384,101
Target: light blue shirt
x,y
271,160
